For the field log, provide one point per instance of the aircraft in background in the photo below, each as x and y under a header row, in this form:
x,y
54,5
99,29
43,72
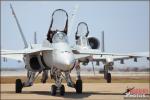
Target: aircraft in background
x,y
56,56
89,46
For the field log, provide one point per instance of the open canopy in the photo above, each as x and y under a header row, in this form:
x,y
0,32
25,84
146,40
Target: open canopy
x,y
59,20
59,23
82,30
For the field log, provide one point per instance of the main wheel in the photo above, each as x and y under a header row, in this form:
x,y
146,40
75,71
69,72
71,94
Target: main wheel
x,y
108,78
19,86
62,90
78,86
53,90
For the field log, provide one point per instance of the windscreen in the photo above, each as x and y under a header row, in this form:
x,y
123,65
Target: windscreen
x,y
60,37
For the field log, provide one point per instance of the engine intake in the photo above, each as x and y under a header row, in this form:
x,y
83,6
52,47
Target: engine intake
x,y
34,63
94,42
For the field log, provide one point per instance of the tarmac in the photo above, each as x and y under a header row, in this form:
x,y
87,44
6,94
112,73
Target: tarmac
x,y
92,91
73,73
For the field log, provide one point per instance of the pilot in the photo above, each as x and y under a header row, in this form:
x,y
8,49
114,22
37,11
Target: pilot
x,y
50,35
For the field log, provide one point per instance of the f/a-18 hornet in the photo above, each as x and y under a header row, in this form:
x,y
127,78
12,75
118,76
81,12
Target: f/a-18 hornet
x,y
56,56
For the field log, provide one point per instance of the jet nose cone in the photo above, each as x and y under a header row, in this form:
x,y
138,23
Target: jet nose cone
x,y
64,61
68,63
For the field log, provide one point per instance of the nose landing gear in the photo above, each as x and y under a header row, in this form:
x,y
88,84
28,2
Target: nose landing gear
x,y
107,75
54,90
58,87
78,85
62,90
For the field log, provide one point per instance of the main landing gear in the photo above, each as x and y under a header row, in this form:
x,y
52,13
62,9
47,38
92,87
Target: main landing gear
x,y
78,86
57,76
107,75
19,86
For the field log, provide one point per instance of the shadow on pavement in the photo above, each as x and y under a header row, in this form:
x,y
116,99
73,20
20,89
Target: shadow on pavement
x,y
67,94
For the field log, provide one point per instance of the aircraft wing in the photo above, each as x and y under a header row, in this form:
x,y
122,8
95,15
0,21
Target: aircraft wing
x,y
18,54
18,57
96,55
24,51
82,56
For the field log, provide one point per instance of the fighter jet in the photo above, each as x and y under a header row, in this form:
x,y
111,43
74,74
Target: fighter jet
x,y
56,56
89,46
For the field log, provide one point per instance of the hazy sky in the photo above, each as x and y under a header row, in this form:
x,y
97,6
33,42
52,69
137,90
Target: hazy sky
x,y
125,23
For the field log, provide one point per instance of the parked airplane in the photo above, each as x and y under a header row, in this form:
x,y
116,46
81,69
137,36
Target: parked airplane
x,y
57,56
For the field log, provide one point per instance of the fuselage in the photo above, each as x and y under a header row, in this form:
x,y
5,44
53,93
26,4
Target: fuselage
x,y
61,57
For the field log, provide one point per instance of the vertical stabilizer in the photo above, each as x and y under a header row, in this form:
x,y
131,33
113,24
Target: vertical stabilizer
x,y
102,42
19,27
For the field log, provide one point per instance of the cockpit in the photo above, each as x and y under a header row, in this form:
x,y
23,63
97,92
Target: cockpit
x,y
82,41
82,34
59,37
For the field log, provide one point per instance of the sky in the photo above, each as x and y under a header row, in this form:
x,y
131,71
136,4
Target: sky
x,y
125,23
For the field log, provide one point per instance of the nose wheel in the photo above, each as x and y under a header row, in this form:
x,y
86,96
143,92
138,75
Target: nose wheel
x,y
62,90
78,86
19,86
54,90
108,77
